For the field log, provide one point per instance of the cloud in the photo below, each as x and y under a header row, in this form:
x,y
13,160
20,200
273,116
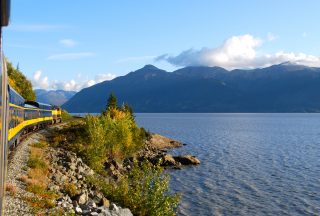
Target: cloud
x,y
70,56
72,85
40,82
103,77
68,42
237,52
36,27
135,58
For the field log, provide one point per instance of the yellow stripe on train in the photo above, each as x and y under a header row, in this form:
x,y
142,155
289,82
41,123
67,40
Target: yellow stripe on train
x,y
14,131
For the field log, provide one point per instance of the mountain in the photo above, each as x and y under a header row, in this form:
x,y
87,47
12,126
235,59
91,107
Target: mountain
x,y
285,87
55,97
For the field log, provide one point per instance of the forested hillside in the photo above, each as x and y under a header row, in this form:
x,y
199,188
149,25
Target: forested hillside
x,y
20,83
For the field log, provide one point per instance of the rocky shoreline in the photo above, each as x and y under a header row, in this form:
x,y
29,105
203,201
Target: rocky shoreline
x,y
156,151
68,176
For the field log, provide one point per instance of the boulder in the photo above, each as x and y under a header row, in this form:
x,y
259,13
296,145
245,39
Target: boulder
x,y
78,210
97,198
168,160
105,202
187,160
82,198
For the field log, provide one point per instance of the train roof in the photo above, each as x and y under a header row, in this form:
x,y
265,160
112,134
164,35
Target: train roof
x,y
29,106
14,92
39,104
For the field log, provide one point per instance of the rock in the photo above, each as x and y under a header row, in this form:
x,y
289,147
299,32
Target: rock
x,y
98,198
54,188
105,202
78,210
63,178
114,207
80,170
168,160
159,142
82,198
91,204
187,160
125,212
72,166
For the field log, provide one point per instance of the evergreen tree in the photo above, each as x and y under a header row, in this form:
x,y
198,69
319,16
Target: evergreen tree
x,y
20,83
112,102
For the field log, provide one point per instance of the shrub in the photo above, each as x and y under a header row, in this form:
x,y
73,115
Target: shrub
x,y
11,188
41,144
34,162
65,115
71,189
145,190
111,136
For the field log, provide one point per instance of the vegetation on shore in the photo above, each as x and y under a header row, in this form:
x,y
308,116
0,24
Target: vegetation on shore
x,y
37,180
65,115
20,83
115,136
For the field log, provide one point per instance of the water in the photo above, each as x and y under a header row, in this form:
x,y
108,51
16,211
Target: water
x,y
252,164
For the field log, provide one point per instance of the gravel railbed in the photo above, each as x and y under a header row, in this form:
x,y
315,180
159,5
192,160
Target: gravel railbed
x,y
14,203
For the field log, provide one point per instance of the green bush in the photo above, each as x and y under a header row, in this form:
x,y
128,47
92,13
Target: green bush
x,y
145,190
65,115
71,189
36,163
109,137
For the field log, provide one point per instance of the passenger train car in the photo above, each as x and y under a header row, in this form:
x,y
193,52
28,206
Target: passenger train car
x,y
26,116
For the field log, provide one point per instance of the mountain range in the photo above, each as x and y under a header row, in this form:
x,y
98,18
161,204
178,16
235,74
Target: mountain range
x,y
54,97
285,87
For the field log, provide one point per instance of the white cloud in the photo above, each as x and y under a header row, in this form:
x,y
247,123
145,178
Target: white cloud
x,y
68,42
71,85
103,77
39,81
238,52
71,56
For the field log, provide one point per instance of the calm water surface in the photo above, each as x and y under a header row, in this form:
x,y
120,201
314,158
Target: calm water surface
x,y
252,164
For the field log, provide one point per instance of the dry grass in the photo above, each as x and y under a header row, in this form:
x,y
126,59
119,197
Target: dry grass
x,y
23,178
37,179
38,176
11,188
71,189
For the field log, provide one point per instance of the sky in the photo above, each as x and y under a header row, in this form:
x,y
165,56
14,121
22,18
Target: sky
x,y
71,45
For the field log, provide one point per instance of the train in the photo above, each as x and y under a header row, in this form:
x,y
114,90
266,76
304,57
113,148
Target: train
x,y
26,116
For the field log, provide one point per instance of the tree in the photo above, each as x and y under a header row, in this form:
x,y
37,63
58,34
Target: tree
x,y
20,83
128,109
112,102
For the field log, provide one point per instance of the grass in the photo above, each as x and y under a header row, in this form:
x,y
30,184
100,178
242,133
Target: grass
x,y
71,189
37,181
11,188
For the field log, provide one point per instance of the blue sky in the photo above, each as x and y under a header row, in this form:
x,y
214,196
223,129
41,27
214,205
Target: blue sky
x,y
73,44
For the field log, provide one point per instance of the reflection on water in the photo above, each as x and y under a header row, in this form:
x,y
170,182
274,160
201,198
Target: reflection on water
x,y
265,164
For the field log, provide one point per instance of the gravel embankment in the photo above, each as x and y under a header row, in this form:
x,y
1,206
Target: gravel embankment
x,y
14,203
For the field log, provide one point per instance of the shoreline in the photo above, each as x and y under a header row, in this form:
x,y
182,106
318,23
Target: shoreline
x,y
66,169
